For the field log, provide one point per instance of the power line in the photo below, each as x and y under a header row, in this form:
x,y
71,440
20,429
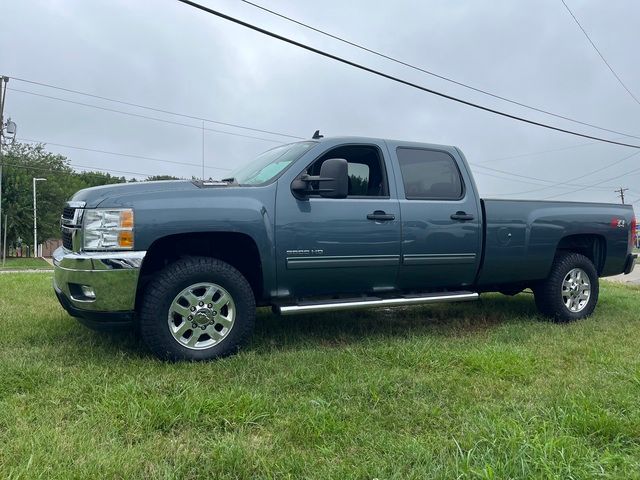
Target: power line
x,y
559,184
215,168
391,77
196,165
108,170
486,174
137,115
605,167
120,154
600,53
504,172
176,123
159,110
553,184
589,186
219,131
567,183
428,72
228,169
361,47
534,178
545,187
539,152
461,84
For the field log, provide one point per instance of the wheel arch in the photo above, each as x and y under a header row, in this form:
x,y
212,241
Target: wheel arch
x,y
237,249
592,246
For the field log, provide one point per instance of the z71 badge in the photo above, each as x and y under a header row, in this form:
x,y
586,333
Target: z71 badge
x,y
618,222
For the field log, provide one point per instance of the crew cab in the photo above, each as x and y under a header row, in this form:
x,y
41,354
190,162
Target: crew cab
x,y
320,225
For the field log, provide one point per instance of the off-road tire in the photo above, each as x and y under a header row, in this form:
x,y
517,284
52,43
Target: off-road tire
x,y
161,291
548,293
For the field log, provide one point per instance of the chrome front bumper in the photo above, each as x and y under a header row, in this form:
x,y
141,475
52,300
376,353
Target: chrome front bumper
x,y
112,278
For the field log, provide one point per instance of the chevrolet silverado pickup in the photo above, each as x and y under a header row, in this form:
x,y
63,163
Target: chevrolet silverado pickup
x,y
322,225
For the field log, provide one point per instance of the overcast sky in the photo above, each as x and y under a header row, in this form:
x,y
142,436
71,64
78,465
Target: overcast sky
x,y
166,55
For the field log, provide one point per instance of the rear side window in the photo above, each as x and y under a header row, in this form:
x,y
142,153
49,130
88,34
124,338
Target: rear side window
x,y
429,175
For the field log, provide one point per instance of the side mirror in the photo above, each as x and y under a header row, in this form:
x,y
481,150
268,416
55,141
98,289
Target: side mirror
x,y
335,178
333,181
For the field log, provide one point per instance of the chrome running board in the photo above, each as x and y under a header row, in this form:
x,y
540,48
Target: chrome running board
x,y
371,302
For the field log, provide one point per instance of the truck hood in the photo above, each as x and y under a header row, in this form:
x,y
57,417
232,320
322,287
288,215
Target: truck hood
x,y
96,195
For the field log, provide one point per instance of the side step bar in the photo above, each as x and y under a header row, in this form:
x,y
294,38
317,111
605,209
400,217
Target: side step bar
x,y
370,302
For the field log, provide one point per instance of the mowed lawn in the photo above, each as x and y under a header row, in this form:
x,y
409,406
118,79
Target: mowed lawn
x,y
25,263
477,390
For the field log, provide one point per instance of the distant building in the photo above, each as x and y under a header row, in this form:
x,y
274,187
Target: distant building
x,y
49,246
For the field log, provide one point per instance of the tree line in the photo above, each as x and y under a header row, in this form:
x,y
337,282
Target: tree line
x,y
21,163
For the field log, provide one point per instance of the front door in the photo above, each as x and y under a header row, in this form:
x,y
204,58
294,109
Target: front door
x,y
350,245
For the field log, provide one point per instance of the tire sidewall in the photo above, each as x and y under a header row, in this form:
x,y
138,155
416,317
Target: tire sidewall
x,y
154,317
565,264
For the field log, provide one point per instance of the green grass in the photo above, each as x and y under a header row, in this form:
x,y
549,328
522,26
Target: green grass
x,y
478,390
25,263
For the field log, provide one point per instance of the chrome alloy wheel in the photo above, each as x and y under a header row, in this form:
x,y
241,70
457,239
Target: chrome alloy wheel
x,y
201,315
576,290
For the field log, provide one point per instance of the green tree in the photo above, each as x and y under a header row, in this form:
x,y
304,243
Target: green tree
x,y
358,185
23,162
155,178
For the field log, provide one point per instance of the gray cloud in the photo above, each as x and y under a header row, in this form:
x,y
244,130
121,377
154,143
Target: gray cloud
x,y
164,54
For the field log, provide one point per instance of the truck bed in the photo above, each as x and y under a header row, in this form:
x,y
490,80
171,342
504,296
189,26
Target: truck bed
x,y
521,237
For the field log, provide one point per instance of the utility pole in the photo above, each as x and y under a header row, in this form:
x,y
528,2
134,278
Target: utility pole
x,y
10,128
4,243
203,179
35,213
3,92
620,193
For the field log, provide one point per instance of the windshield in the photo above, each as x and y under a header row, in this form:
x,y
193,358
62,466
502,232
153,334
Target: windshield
x,y
266,166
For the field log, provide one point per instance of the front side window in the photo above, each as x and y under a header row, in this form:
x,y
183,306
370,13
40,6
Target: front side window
x,y
268,165
358,179
367,177
429,175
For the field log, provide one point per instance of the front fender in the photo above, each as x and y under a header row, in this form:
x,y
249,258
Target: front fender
x,y
246,210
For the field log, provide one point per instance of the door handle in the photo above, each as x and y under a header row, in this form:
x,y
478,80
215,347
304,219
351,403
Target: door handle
x,y
380,215
461,216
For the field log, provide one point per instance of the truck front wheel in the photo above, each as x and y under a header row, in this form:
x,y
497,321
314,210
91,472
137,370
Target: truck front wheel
x,y
197,308
571,290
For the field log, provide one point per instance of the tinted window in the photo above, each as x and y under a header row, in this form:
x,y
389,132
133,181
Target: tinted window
x,y
429,174
358,179
366,171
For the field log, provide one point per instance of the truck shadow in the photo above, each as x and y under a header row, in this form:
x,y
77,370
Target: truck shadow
x,y
346,328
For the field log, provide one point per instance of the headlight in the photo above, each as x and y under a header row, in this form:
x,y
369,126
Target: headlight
x,y
108,229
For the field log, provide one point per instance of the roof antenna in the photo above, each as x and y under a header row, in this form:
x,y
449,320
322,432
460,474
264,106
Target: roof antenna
x,y
317,136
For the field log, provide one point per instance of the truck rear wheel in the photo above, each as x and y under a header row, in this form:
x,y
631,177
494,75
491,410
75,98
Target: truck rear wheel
x,y
197,308
571,290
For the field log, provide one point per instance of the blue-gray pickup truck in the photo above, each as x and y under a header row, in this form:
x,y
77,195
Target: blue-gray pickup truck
x,y
321,225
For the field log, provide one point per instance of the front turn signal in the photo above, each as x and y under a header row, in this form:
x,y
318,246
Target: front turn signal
x,y
125,239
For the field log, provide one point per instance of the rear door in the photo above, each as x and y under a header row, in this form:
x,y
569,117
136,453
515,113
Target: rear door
x,y
441,217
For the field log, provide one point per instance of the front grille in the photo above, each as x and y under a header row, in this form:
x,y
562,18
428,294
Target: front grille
x,y
68,213
67,239
71,222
